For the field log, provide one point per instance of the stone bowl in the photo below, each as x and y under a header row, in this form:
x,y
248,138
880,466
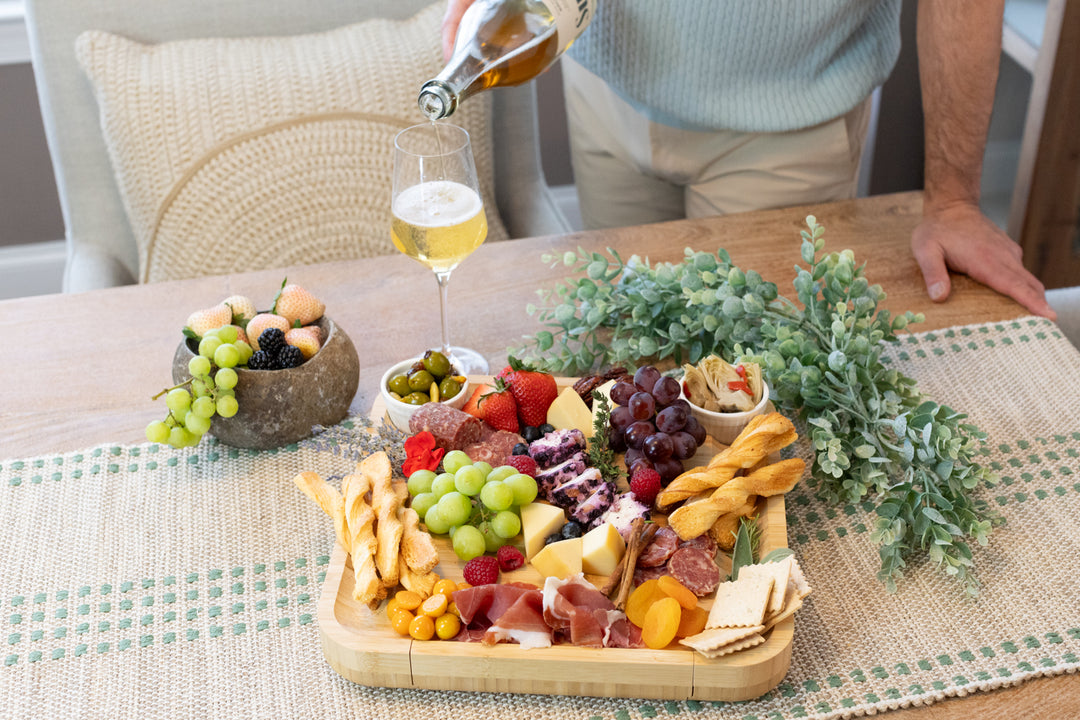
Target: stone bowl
x,y
278,407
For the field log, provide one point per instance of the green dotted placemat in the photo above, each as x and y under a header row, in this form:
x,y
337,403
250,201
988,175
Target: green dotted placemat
x,y
139,581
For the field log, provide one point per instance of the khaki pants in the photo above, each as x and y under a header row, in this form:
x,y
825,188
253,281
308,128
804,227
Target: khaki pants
x,y
631,171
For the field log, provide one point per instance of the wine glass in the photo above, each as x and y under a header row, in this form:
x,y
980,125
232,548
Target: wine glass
x,y
438,215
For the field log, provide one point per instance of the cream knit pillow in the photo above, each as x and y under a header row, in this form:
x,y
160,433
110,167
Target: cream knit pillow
x,y
252,153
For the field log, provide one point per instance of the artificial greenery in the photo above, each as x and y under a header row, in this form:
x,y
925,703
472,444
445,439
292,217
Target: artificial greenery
x,y
874,436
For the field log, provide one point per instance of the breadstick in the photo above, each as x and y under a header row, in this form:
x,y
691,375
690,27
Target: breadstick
x,y
360,519
329,499
388,529
417,548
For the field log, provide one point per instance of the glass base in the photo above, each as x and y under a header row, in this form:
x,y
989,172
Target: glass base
x,y
468,361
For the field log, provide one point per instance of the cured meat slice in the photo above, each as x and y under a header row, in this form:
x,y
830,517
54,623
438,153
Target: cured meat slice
x,y
621,633
695,569
484,604
451,428
494,446
575,607
641,574
702,542
664,543
522,622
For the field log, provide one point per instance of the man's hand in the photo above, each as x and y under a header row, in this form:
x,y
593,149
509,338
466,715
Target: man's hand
x,y
454,10
960,237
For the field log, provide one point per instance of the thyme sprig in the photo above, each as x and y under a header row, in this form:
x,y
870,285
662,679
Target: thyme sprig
x,y
873,435
601,456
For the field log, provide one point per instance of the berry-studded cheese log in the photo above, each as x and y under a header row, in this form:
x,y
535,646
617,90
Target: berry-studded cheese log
x,y
451,428
557,446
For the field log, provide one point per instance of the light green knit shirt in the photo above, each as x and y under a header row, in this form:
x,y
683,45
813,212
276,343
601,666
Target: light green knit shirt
x,y
748,65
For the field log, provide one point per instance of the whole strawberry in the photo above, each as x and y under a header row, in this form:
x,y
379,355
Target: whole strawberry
x,y
645,484
499,409
308,339
296,304
201,322
533,390
242,308
481,570
472,405
261,322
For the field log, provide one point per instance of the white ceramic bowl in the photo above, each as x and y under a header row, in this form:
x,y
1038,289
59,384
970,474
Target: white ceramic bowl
x,y
725,427
399,411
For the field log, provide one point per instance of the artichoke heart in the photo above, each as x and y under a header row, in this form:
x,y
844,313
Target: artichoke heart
x,y
717,386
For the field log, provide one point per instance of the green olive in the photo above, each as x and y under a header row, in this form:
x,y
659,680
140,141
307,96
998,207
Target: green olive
x,y
448,388
421,380
436,363
416,398
399,384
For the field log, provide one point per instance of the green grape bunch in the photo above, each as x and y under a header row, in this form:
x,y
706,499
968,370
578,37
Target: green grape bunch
x,y
210,391
874,437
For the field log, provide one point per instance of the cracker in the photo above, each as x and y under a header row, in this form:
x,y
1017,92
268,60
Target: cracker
x,y
709,640
749,642
787,612
780,572
802,587
740,603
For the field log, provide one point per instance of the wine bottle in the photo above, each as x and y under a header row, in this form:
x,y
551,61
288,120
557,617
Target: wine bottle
x,y
502,43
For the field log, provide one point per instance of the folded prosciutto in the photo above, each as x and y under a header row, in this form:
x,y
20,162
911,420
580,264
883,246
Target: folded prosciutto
x,y
585,616
504,612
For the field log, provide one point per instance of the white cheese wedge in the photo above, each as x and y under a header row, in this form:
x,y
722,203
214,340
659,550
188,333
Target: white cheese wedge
x,y
601,550
538,520
570,411
559,559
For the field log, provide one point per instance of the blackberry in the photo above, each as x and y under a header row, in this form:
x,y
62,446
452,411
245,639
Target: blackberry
x,y
289,357
271,340
261,360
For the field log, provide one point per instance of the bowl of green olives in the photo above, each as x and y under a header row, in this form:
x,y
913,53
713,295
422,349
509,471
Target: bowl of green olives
x,y
411,383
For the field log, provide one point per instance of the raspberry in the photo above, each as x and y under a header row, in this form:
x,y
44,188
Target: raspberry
x,y
645,484
510,558
523,464
481,570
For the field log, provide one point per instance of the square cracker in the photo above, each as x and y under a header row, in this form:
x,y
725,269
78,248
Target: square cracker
x,y
716,638
780,572
802,588
788,611
740,603
743,644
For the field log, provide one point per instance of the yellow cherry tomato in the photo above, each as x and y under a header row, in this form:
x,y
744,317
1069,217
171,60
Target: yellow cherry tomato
x,y
401,621
422,627
445,587
408,600
434,606
447,626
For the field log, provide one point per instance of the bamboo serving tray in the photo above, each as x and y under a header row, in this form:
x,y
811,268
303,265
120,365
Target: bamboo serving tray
x,y
360,645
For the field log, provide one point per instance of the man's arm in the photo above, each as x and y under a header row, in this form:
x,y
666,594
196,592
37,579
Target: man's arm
x,y
959,44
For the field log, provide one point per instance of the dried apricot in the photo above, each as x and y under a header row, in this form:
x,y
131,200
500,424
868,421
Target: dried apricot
x,y
661,622
445,587
401,620
447,626
434,606
641,599
677,590
422,627
692,621
408,600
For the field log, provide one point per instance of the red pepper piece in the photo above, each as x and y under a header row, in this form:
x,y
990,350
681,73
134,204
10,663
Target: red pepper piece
x,y
739,385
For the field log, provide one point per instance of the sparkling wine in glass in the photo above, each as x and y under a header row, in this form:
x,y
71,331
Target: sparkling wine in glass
x,y
438,214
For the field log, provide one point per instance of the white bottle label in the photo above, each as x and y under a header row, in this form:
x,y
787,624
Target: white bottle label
x,y
571,18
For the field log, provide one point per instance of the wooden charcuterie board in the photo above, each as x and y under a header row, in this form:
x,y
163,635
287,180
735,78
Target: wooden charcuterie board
x,y
360,645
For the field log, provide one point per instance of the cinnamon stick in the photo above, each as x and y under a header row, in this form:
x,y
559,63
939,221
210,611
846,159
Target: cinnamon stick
x,y
640,537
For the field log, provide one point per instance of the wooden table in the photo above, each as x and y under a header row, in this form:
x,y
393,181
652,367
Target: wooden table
x,y
79,370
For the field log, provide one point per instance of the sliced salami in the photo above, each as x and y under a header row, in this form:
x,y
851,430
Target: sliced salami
x,y
695,569
641,574
657,552
702,542
494,447
452,428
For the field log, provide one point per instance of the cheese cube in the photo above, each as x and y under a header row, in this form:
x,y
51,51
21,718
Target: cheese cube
x,y
570,411
538,520
559,559
601,550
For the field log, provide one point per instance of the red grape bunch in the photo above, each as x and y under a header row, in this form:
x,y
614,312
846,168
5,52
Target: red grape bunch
x,y
652,424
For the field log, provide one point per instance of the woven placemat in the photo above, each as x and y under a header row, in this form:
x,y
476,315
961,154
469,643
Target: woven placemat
x,y
138,581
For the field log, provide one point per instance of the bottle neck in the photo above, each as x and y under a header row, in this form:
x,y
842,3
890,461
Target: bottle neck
x,y
437,99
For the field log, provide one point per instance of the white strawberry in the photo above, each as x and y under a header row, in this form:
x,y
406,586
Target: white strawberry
x,y
296,304
242,308
201,322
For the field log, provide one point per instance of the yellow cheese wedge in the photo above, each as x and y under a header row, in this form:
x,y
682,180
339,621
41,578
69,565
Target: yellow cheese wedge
x,y
601,550
570,411
559,559
538,520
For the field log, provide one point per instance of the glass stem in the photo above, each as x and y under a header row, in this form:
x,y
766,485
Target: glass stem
x,y
443,279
